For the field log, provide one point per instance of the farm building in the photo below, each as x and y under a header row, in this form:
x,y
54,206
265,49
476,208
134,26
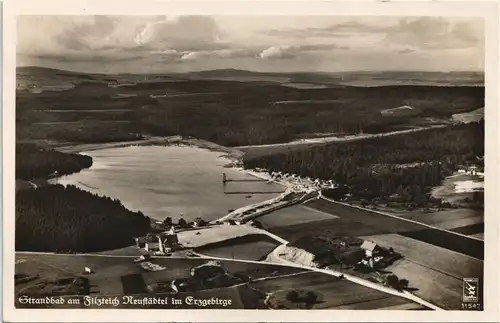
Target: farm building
x,y
151,243
168,241
152,246
164,242
472,170
140,242
370,248
352,256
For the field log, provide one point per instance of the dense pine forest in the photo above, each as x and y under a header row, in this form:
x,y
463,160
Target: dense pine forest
x,y
232,113
33,162
55,218
403,167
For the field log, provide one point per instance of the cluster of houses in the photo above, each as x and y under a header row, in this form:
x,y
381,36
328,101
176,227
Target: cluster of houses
x,y
348,252
161,243
302,183
469,170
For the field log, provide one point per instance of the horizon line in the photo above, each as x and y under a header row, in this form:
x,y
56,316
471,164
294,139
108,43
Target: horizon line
x,y
261,72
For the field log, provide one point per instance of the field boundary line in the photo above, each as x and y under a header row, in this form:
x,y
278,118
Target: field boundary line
x,y
348,277
433,269
333,216
364,282
399,218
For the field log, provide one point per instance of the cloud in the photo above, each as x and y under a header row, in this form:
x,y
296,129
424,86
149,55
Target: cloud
x,y
80,36
287,51
421,32
278,52
432,33
191,33
405,51
199,42
345,29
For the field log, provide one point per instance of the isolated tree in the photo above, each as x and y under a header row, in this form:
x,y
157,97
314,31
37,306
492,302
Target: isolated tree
x,y
403,283
257,224
292,296
182,222
393,281
311,298
168,221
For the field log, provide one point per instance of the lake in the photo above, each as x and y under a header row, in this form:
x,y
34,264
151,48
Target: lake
x,y
163,181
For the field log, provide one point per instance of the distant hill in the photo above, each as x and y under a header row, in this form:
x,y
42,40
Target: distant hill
x,y
228,72
38,70
354,78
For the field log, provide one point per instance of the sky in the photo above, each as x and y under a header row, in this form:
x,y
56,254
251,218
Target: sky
x,y
149,44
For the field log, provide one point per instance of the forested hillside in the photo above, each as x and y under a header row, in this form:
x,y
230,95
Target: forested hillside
x,y
232,113
66,219
407,165
33,162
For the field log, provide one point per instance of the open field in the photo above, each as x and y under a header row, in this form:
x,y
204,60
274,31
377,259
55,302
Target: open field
x,y
465,221
333,292
298,214
471,229
334,227
444,219
436,272
249,247
435,287
367,221
440,259
472,116
212,234
478,235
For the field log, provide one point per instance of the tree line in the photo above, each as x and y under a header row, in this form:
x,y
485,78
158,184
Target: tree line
x,y
237,113
56,218
402,168
33,162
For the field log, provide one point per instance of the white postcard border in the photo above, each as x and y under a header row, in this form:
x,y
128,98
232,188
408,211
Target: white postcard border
x,y
488,10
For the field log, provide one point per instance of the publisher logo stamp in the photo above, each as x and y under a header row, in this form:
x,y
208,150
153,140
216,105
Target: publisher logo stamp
x,y
470,290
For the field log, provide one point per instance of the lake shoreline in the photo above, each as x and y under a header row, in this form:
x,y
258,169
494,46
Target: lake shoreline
x,y
232,154
223,160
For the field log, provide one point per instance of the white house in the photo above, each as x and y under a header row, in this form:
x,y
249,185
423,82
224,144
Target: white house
x,y
369,247
472,170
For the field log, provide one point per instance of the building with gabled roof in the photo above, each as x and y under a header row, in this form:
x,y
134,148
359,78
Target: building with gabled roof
x,y
370,248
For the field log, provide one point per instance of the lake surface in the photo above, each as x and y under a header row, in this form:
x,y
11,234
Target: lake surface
x,y
167,181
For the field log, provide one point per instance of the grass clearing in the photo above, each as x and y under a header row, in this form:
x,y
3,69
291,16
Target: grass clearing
x,y
213,234
449,262
437,288
333,292
435,218
297,214
249,247
382,224
333,227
